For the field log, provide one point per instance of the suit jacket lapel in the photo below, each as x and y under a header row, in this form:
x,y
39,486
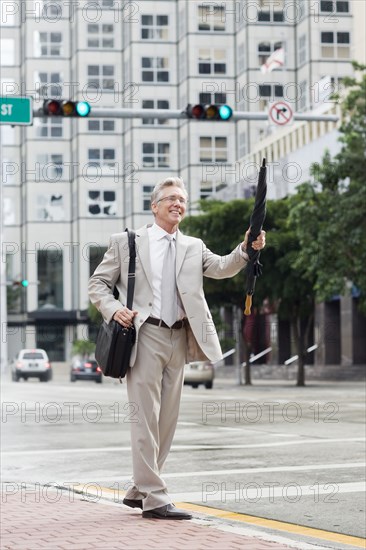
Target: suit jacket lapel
x,y
143,252
181,249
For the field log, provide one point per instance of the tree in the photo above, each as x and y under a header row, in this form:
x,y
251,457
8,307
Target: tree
x,y
329,215
83,347
222,226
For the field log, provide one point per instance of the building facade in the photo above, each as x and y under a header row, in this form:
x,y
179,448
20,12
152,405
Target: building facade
x,y
67,185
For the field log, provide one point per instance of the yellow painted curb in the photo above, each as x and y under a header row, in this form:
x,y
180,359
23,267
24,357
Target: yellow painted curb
x,y
251,520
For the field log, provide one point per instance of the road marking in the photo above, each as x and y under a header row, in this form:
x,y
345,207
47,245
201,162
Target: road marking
x,y
292,490
290,528
186,447
302,468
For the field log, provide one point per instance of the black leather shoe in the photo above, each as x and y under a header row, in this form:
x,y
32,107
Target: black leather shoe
x,y
132,503
166,512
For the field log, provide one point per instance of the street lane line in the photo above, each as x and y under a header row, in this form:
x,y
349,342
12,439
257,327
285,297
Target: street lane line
x,y
187,447
302,468
269,492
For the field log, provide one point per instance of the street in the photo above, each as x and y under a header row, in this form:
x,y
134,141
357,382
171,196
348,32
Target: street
x,y
271,450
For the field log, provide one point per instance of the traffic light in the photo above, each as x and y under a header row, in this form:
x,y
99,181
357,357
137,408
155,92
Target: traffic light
x,y
67,108
209,112
24,283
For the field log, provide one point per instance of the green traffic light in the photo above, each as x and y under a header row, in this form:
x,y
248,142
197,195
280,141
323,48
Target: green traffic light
x,y
25,283
225,112
82,108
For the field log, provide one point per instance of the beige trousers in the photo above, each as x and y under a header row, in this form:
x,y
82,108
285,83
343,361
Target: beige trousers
x,y
154,386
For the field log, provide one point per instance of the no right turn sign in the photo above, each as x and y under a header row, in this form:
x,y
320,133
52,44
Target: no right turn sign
x,y
280,113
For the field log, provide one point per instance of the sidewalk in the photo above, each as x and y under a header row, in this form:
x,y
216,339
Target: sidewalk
x,y
68,521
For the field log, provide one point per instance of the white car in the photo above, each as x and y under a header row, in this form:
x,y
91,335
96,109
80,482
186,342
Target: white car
x,y
199,372
31,363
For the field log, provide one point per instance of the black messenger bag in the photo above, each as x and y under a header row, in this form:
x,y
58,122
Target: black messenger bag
x,y
114,342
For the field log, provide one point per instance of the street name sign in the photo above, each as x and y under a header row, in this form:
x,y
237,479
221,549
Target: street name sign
x,y
280,113
16,111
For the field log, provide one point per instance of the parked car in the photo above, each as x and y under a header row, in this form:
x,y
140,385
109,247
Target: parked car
x,y
85,369
199,372
31,363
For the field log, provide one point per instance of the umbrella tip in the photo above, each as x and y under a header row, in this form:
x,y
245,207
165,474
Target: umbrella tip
x,y
263,163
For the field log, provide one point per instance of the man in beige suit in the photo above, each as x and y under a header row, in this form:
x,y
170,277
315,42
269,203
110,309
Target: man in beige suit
x,y
173,326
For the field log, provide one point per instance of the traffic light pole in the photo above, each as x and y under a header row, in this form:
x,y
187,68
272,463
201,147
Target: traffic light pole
x,y
166,114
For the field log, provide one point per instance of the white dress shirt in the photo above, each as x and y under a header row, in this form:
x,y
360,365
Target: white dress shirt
x,y
158,245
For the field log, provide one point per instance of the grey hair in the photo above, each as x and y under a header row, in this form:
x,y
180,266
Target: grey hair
x,y
168,182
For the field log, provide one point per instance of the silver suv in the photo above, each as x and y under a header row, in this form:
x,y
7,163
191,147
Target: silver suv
x,y
31,363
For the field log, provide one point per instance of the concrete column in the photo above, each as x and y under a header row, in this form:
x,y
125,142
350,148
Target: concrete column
x,y
284,341
359,331
346,317
327,319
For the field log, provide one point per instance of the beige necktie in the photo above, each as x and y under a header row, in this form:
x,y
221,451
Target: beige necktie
x,y
169,308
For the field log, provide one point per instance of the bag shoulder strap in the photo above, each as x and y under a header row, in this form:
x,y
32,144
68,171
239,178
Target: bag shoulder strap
x,y
131,267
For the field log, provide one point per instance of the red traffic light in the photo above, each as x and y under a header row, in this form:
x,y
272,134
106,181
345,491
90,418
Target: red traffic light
x,y
209,112
52,107
66,108
196,111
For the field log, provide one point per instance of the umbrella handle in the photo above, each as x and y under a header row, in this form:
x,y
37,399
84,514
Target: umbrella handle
x,y
248,304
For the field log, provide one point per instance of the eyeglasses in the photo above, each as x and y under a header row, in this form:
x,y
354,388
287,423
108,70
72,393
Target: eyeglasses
x,y
174,198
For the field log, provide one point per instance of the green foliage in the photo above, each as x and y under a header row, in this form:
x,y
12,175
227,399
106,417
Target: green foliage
x,y
83,347
94,315
329,215
13,299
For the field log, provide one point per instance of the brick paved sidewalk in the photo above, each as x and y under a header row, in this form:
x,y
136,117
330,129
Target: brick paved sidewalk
x,y
66,521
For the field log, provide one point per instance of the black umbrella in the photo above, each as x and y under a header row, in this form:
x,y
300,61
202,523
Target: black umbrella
x,y
256,224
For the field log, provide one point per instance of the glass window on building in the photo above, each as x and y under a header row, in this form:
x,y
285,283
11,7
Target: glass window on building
x,y
49,127
212,61
101,157
154,27
102,203
335,45
271,13
146,197
48,84
101,77
213,149
50,277
268,93
334,6
51,9
216,98
211,17
104,126
100,35
302,49
51,338
302,102
156,155
209,188
154,104
155,69
49,167
49,207
48,44
265,49
108,4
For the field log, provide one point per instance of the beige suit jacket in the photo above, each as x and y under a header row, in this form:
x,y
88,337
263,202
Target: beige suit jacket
x,y
193,261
